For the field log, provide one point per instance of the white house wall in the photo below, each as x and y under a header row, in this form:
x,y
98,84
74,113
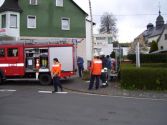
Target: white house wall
x,y
153,39
88,41
125,51
81,51
103,44
108,49
84,48
162,41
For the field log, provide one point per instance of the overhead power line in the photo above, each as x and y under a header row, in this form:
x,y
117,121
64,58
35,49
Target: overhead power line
x,y
134,14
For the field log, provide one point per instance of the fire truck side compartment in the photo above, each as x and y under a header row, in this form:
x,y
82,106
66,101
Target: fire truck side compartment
x,y
32,54
65,56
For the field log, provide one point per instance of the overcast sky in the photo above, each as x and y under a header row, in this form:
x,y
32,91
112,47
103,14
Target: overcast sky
x,y
132,15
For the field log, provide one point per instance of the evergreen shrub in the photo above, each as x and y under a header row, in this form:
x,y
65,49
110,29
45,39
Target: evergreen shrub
x,y
144,78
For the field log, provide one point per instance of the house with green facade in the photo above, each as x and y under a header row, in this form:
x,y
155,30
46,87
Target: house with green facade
x,y
42,19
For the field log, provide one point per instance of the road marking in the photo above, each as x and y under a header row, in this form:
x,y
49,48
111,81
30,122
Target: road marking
x,y
62,92
45,92
7,90
50,92
124,97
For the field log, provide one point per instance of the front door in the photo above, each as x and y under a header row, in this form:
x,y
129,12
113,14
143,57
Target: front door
x,y
15,61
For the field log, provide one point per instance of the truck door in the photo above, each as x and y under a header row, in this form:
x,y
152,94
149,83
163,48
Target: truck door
x,y
15,61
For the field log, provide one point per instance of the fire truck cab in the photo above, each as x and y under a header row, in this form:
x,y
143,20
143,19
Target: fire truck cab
x,y
34,61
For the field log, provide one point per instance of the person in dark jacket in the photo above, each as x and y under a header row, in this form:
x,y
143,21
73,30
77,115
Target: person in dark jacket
x,y
80,63
109,66
104,60
104,70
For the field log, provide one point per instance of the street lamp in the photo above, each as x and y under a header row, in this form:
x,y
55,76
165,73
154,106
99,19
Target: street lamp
x,y
91,19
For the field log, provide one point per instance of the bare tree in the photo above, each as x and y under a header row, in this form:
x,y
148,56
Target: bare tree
x,y
108,24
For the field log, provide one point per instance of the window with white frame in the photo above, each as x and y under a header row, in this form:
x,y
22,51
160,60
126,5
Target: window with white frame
x,y
31,21
65,23
59,3
3,21
13,21
33,2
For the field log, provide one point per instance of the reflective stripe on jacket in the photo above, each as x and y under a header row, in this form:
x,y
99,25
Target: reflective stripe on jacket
x,y
96,67
56,69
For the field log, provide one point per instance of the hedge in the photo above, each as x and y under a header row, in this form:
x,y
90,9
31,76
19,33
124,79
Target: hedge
x,y
154,65
149,58
146,78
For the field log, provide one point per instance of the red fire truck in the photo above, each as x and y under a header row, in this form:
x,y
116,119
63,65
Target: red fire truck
x,y
34,61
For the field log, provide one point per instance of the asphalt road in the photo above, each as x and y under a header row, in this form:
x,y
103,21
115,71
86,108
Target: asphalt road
x,y
26,106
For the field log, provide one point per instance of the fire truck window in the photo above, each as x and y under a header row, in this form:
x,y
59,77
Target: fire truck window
x,y
2,52
12,52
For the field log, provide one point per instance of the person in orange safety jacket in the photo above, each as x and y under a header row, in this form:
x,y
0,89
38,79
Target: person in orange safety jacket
x,y
96,67
56,72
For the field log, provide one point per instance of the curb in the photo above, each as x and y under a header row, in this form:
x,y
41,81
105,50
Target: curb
x,y
124,96
86,92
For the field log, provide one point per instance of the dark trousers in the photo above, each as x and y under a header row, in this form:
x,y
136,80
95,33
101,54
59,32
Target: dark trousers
x,y
104,77
56,83
80,69
92,79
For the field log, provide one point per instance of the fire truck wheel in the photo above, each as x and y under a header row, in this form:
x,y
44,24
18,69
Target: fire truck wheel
x,y
45,79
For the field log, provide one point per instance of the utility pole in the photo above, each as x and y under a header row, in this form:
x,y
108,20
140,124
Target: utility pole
x,y
138,55
91,19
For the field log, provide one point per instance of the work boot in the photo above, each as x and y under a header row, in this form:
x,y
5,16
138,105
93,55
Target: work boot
x,y
97,88
54,91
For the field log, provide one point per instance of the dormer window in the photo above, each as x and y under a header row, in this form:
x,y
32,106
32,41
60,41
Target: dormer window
x,y
33,2
59,3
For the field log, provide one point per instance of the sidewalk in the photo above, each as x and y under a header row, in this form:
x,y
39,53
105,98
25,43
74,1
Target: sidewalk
x,y
78,85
